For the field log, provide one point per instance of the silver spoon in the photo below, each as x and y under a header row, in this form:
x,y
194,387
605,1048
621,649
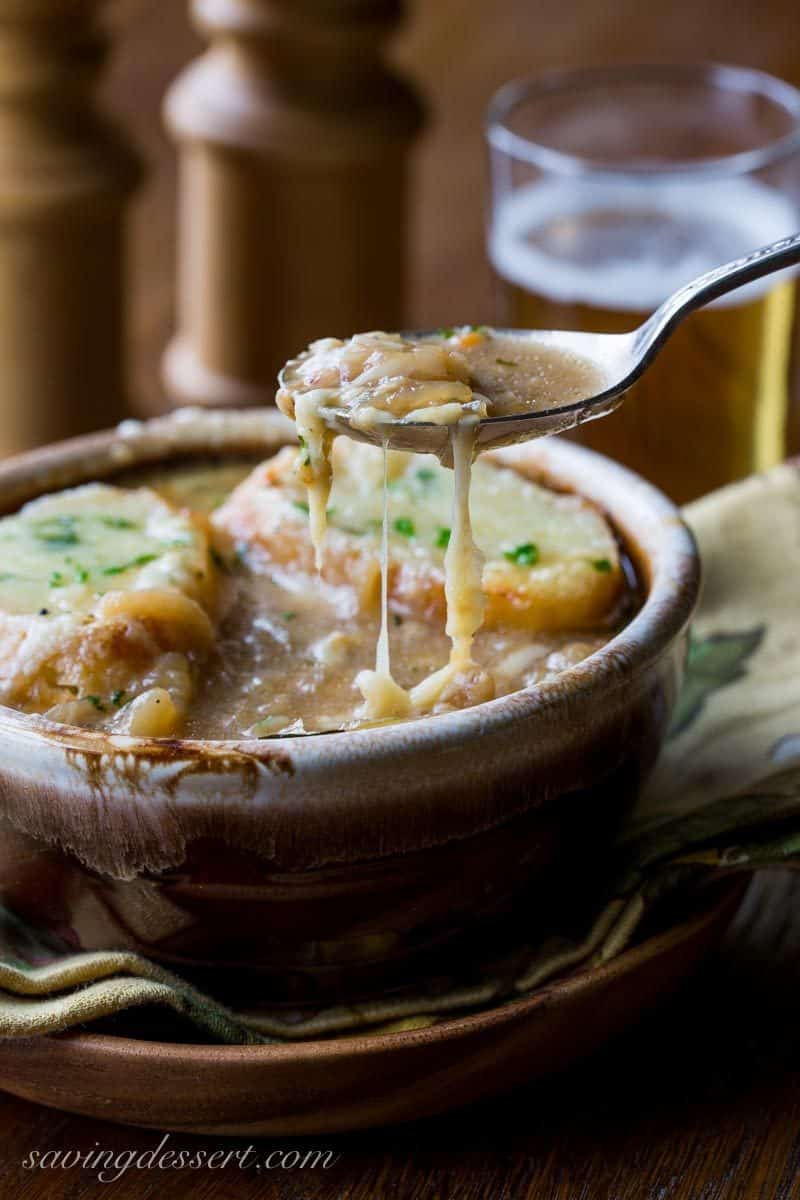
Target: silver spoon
x,y
621,358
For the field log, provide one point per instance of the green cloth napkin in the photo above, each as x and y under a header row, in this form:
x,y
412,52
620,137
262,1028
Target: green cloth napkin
x,y
725,797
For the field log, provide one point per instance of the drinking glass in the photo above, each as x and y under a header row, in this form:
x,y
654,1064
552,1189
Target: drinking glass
x,y
610,189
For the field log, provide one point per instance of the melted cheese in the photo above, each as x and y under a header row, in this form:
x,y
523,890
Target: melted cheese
x,y
66,550
105,597
464,586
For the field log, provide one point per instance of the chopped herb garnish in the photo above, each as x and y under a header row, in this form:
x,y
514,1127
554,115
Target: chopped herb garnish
x,y
300,505
118,698
119,523
477,329
57,580
96,702
524,555
141,561
602,564
405,526
442,537
506,362
445,331
425,475
81,573
57,532
305,456
289,616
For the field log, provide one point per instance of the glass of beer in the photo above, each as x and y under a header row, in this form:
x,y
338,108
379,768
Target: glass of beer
x,y
613,187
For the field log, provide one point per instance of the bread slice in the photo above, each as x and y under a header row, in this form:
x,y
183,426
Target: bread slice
x,y
107,597
551,561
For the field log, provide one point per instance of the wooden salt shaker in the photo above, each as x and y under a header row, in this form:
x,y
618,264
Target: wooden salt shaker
x,y
294,140
65,174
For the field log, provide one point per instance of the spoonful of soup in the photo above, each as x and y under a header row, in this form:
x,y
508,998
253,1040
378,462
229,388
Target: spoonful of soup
x,y
404,390
455,392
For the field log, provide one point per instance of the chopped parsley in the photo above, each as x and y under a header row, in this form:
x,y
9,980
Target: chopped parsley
x,y
442,537
118,698
524,555
445,331
96,702
81,573
140,561
57,580
305,456
425,475
506,362
405,526
119,523
57,532
300,505
477,329
602,564
289,616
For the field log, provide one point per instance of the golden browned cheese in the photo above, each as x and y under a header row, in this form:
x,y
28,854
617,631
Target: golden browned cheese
x,y
106,605
563,589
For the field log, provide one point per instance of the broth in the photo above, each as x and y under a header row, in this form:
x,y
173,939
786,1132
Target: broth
x,y
287,654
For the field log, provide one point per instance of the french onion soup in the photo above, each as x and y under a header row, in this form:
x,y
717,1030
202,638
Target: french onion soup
x,y
230,600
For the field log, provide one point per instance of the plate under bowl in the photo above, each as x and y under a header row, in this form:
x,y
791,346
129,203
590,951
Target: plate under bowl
x,y
356,1082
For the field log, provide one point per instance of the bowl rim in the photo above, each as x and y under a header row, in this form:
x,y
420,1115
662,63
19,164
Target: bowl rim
x,y
669,601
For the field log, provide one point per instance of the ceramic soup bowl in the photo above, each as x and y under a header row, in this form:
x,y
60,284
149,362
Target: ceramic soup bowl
x,y
321,865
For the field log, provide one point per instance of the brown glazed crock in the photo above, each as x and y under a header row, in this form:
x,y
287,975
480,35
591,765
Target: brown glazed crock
x,y
318,866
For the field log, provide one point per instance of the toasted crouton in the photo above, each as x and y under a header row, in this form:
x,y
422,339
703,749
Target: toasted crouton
x,y
551,562
105,594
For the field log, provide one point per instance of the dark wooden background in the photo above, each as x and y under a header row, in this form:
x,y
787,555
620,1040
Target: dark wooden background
x,y
701,1102
458,52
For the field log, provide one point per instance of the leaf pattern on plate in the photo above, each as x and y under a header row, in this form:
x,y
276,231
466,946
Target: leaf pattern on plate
x,y
713,662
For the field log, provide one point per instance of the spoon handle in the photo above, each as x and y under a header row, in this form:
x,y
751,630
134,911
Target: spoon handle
x,y
650,336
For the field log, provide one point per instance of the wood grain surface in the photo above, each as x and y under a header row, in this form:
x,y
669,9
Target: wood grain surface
x,y
700,1102
703,1101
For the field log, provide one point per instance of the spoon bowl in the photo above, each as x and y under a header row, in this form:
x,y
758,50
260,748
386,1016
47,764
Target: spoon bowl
x,y
621,359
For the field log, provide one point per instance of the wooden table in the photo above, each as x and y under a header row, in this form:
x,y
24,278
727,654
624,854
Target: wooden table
x,y
700,1102
703,1100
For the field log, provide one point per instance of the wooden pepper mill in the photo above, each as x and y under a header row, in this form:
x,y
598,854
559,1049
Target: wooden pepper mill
x,y
294,140
65,174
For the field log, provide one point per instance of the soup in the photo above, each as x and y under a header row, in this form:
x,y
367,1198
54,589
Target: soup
x,y
250,641
454,378
232,600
